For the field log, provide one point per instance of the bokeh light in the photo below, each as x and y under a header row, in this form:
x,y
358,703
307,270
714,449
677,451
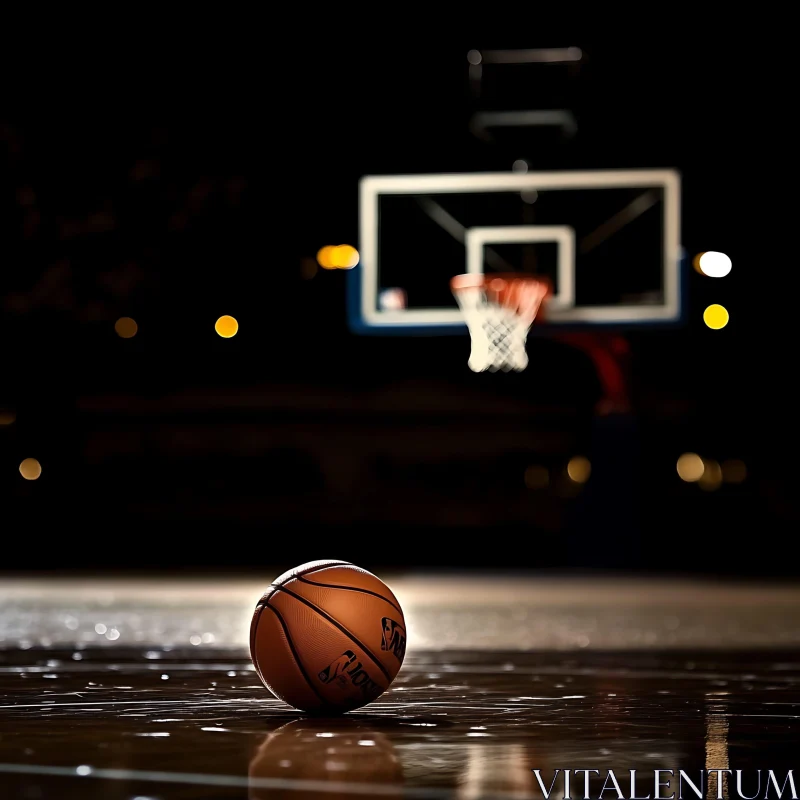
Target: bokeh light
x,y
716,316
713,264
325,257
226,327
734,471
342,256
690,467
7,417
126,327
537,477
579,469
392,300
30,469
712,476
345,256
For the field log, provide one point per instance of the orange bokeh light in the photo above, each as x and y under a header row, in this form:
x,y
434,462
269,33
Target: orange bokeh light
x,y
342,256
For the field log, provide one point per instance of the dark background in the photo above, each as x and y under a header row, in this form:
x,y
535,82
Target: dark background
x,y
178,192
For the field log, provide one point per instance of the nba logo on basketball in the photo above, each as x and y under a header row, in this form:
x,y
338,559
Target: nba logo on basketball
x,y
337,672
334,670
394,638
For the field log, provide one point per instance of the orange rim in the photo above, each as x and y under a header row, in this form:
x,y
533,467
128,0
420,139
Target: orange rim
x,y
478,281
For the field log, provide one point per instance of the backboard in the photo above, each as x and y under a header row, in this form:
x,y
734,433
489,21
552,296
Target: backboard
x,y
609,240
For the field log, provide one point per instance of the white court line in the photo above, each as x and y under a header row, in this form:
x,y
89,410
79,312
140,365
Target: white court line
x,y
339,787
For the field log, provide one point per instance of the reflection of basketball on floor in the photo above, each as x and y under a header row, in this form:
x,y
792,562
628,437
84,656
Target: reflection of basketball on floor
x,y
328,637
325,758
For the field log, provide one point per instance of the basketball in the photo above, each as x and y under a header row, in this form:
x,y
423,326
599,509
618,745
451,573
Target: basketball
x,y
327,637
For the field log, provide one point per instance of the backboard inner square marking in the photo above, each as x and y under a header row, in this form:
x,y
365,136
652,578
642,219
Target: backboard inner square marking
x,y
562,235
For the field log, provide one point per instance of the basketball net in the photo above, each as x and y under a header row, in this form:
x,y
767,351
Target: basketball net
x,y
499,311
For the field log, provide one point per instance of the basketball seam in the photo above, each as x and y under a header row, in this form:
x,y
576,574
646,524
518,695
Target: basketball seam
x,y
351,589
295,654
324,614
332,563
311,570
267,593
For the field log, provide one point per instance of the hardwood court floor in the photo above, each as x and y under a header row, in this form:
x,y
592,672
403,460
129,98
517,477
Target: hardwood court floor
x,y
144,689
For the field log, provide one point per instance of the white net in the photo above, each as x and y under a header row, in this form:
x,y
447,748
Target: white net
x,y
499,321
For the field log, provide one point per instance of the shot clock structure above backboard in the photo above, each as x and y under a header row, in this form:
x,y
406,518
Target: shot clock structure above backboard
x,y
608,241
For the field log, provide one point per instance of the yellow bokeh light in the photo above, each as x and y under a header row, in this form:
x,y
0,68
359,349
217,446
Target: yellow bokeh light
x,y
343,256
579,469
536,477
716,316
712,476
7,417
325,257
126,327
226,327
30,469
690,467
734,471
696,263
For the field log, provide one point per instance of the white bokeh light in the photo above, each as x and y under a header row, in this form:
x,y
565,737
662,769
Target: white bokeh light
x,y
715,265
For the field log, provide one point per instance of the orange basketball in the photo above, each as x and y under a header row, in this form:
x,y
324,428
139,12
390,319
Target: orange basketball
x,y
328,637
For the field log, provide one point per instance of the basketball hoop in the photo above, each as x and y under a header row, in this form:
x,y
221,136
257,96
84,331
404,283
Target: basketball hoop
x,y
499,311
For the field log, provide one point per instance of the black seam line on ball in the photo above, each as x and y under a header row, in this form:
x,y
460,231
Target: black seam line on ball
x,y
295,654
311,570
350,589
338,625
332,563
270,591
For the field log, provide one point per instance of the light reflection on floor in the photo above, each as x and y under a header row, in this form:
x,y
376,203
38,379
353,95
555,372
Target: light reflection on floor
x,y
145,719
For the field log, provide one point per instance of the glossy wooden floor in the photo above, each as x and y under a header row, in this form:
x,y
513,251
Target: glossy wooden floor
x,y
121,689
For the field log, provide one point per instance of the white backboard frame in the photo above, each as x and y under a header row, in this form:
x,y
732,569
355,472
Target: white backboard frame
x,y
366,316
